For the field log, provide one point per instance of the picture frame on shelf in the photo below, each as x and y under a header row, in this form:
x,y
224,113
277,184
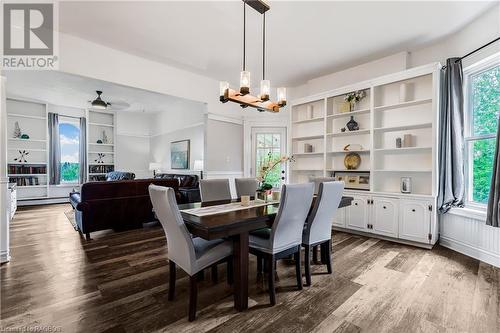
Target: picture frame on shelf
x,y
354,180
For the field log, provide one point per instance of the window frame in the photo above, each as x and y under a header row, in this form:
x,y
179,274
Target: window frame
x,y
469,137
72,121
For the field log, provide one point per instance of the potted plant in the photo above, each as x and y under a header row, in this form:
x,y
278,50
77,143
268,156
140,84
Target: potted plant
x,y
354,97
265,172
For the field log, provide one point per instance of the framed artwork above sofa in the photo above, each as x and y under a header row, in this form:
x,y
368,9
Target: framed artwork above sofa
x,y
179,154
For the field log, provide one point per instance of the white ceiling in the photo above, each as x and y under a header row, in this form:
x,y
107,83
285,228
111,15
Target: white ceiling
x,y
64,89
305,39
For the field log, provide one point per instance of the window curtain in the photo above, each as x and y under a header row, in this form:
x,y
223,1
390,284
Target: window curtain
x,y
54,149
83,150
451,137
493,212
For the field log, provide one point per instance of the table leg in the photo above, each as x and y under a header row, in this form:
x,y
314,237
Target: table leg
x,y
240,268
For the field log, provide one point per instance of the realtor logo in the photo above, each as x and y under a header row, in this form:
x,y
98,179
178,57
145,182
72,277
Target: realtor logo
x,y
28,36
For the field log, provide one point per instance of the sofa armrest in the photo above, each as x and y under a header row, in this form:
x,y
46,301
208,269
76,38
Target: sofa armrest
x,y
75,198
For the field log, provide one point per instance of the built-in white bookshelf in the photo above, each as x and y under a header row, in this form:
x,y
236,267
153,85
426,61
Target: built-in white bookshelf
x,y
31,173
394,106
101,138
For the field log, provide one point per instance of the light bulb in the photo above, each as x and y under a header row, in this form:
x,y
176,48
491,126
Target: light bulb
x,y
265,89
223,87
245,82
282,96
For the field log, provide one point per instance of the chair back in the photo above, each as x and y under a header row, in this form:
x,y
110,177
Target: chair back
x,y
246,186
179,242
289,223
319,223
215,189
319,180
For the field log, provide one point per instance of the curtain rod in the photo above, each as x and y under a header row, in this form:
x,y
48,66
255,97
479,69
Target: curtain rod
x,y
479,48
472,52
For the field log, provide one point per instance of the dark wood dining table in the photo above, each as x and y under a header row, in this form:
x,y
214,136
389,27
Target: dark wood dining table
x,y
235,225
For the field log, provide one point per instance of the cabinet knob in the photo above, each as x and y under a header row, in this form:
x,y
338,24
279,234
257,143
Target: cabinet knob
x,y
413,210
385,207
355,204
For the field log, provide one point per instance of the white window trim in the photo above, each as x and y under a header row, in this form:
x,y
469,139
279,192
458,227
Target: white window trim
x,y
482,65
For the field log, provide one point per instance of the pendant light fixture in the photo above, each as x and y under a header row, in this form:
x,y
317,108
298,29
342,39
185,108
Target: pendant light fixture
x,y
243,96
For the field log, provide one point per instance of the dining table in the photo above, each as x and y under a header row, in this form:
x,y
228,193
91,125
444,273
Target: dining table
x,y
235,225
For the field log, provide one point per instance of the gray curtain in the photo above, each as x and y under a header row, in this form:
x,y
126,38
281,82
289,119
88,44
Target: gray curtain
x,y
54,149
451,138
83,150
493,213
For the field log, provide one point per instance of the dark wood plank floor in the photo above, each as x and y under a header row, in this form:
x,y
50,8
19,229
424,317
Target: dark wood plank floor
x,y
119,281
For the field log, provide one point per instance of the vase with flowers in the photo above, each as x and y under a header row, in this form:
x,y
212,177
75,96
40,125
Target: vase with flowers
x,y
354,97
267,175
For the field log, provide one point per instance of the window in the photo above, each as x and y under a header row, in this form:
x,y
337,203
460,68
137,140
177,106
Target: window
x,y
269,144
69,136
482,107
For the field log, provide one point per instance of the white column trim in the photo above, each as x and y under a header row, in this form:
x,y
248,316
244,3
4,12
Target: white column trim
x,y
4,180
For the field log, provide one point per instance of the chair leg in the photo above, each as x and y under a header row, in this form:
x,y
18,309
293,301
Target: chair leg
x,y
307,263
315,254
171,282
193,295
298,272
328,256
229,268
87,237
271,267
215,275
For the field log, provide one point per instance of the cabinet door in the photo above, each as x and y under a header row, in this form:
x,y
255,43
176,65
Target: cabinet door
x,y
357,214
384,219
415,220
339,218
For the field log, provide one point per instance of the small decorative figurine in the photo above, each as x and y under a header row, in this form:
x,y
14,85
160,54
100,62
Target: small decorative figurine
x,y
25,136
399,143
342,129
17,130
99,141
104,137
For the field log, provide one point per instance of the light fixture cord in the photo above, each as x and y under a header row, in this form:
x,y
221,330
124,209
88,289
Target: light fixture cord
x,y
244,34
264,46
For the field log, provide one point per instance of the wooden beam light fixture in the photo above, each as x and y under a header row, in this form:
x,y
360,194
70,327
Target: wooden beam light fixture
x,y
243,96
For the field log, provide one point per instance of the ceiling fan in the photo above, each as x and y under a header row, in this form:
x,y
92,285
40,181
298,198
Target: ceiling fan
x,y
100,104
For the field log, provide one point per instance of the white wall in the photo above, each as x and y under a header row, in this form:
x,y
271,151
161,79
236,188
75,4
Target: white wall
x,y
224,146
132,143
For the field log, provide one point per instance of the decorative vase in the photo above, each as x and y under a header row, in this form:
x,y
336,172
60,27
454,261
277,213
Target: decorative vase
x,y
17,130
261,195
352,125
352,106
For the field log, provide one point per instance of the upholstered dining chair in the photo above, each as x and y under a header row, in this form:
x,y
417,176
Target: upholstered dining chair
x,y
215,189
246,186
285,236
318,229
191,254
319,180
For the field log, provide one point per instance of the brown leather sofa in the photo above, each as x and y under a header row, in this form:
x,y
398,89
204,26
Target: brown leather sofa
x,y
118,205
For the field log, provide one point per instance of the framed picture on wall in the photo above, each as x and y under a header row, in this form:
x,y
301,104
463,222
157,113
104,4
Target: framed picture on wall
x,y
179,154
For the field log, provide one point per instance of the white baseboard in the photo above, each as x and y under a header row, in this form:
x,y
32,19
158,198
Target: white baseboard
x,y
473,252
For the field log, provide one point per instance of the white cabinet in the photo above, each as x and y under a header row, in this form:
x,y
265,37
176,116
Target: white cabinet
x,y
409,219
339,218
384,216
415,220
357,214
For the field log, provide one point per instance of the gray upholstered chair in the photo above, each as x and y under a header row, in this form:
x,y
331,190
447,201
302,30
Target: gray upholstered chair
x,y
285,236
318,229
246,186
319,180
191,254
215,189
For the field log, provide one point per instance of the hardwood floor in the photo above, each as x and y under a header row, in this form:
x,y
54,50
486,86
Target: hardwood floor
x,y
119,282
